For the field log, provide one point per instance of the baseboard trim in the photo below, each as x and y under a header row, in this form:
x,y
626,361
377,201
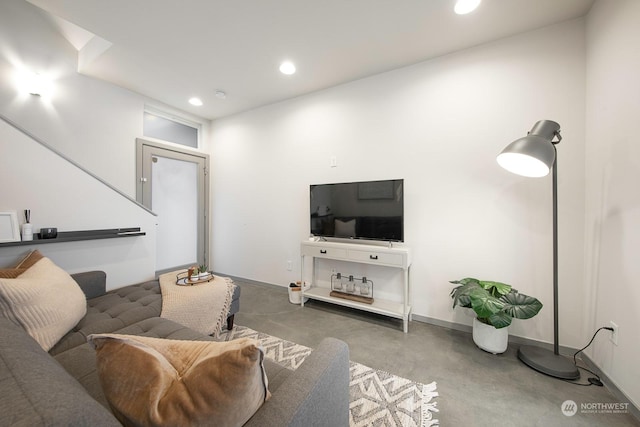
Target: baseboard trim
x,y
250,281
565,351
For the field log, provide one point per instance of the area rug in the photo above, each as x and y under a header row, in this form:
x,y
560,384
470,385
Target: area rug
x,y
377,398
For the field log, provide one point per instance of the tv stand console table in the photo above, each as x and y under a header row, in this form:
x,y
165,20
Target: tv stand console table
x,y
363,254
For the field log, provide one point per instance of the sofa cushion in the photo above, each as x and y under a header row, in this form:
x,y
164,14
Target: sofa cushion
x,y
92,283
113,311
44,300
80,361
121,308
152,381
37,391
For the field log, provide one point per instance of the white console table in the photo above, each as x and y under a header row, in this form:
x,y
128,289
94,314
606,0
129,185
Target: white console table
x,y
363,254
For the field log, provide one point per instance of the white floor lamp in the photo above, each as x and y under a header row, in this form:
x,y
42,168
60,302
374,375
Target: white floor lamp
x,y
535,156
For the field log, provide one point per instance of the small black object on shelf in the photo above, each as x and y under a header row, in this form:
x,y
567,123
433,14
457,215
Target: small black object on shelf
x,y
48,233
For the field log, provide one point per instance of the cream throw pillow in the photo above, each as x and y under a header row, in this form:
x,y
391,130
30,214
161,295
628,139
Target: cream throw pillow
x,y
155,381
44,300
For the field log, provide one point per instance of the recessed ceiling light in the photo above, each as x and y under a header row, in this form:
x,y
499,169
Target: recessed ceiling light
x,y
287,68
220,94
195,101
463,7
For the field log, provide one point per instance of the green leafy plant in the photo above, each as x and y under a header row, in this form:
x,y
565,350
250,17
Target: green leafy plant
x,y
495,303
203,268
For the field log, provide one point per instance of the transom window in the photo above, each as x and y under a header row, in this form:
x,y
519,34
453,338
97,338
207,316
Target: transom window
x,y
169,128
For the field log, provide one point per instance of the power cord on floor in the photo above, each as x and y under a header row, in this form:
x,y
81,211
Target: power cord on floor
x,y
592,380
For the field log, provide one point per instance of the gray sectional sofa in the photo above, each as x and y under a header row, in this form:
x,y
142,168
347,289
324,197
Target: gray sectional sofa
x,y
61,387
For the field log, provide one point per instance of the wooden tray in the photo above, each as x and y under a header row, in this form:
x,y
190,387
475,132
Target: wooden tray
x,y
352,297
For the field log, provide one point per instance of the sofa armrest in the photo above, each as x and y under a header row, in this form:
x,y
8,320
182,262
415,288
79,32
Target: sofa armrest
x,y
315,394
92,283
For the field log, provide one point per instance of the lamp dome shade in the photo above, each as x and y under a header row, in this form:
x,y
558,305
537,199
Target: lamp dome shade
x,y
533,155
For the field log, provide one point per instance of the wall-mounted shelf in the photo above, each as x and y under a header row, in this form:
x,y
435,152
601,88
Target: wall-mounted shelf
x,y
75,236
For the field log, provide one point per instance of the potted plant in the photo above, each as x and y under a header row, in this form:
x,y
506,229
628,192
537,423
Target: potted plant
x,y
202,271
495,305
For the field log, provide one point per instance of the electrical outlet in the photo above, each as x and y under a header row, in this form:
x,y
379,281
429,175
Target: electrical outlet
x,y
289,265
614,333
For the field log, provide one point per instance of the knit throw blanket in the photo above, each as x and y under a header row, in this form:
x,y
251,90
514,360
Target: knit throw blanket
x,y
202,307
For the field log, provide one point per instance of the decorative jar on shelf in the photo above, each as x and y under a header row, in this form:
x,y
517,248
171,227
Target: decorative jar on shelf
x,y
351,285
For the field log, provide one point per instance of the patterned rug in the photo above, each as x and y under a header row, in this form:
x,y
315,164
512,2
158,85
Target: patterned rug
x,y
377,397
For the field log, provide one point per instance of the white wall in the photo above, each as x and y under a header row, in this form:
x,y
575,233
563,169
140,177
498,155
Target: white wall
x,y
439,125
612,226
90,121
64,196
93,123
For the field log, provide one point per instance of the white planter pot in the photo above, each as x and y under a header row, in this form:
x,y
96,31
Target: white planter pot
x,y
489,338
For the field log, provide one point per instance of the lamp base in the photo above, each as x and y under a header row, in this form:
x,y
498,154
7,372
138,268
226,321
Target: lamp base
x,y
548,362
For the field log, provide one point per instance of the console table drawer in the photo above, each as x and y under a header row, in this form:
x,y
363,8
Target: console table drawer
x,y
377,258
334,253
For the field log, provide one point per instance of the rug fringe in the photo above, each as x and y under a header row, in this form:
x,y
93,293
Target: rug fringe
x,y
428,407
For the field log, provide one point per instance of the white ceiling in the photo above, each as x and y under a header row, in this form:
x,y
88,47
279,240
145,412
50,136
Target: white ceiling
x,y
171,50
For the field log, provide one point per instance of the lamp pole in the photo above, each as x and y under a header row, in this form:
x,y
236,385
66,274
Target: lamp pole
x,y
539,148
554,180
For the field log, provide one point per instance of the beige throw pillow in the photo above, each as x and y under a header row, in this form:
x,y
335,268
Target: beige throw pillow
x,y
154,381
44,300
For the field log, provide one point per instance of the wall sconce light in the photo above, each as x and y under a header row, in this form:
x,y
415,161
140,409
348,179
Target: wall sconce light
x,y
463,7
34,83
287,68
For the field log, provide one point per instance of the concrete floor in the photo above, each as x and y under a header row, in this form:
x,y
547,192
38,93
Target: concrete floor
x,y
475,388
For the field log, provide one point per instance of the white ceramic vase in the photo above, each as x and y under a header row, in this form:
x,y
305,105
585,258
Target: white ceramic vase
x,y
489,338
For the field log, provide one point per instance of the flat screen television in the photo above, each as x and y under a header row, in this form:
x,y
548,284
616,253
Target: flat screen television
x,y
358,210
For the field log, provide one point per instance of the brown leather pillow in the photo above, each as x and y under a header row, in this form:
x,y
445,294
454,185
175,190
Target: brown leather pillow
x,y
28,261
155,381
11,273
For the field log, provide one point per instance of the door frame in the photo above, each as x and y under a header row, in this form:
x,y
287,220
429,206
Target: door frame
x,y
180,151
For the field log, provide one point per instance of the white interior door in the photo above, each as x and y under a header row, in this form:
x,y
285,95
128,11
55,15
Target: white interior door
x,y
173,185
